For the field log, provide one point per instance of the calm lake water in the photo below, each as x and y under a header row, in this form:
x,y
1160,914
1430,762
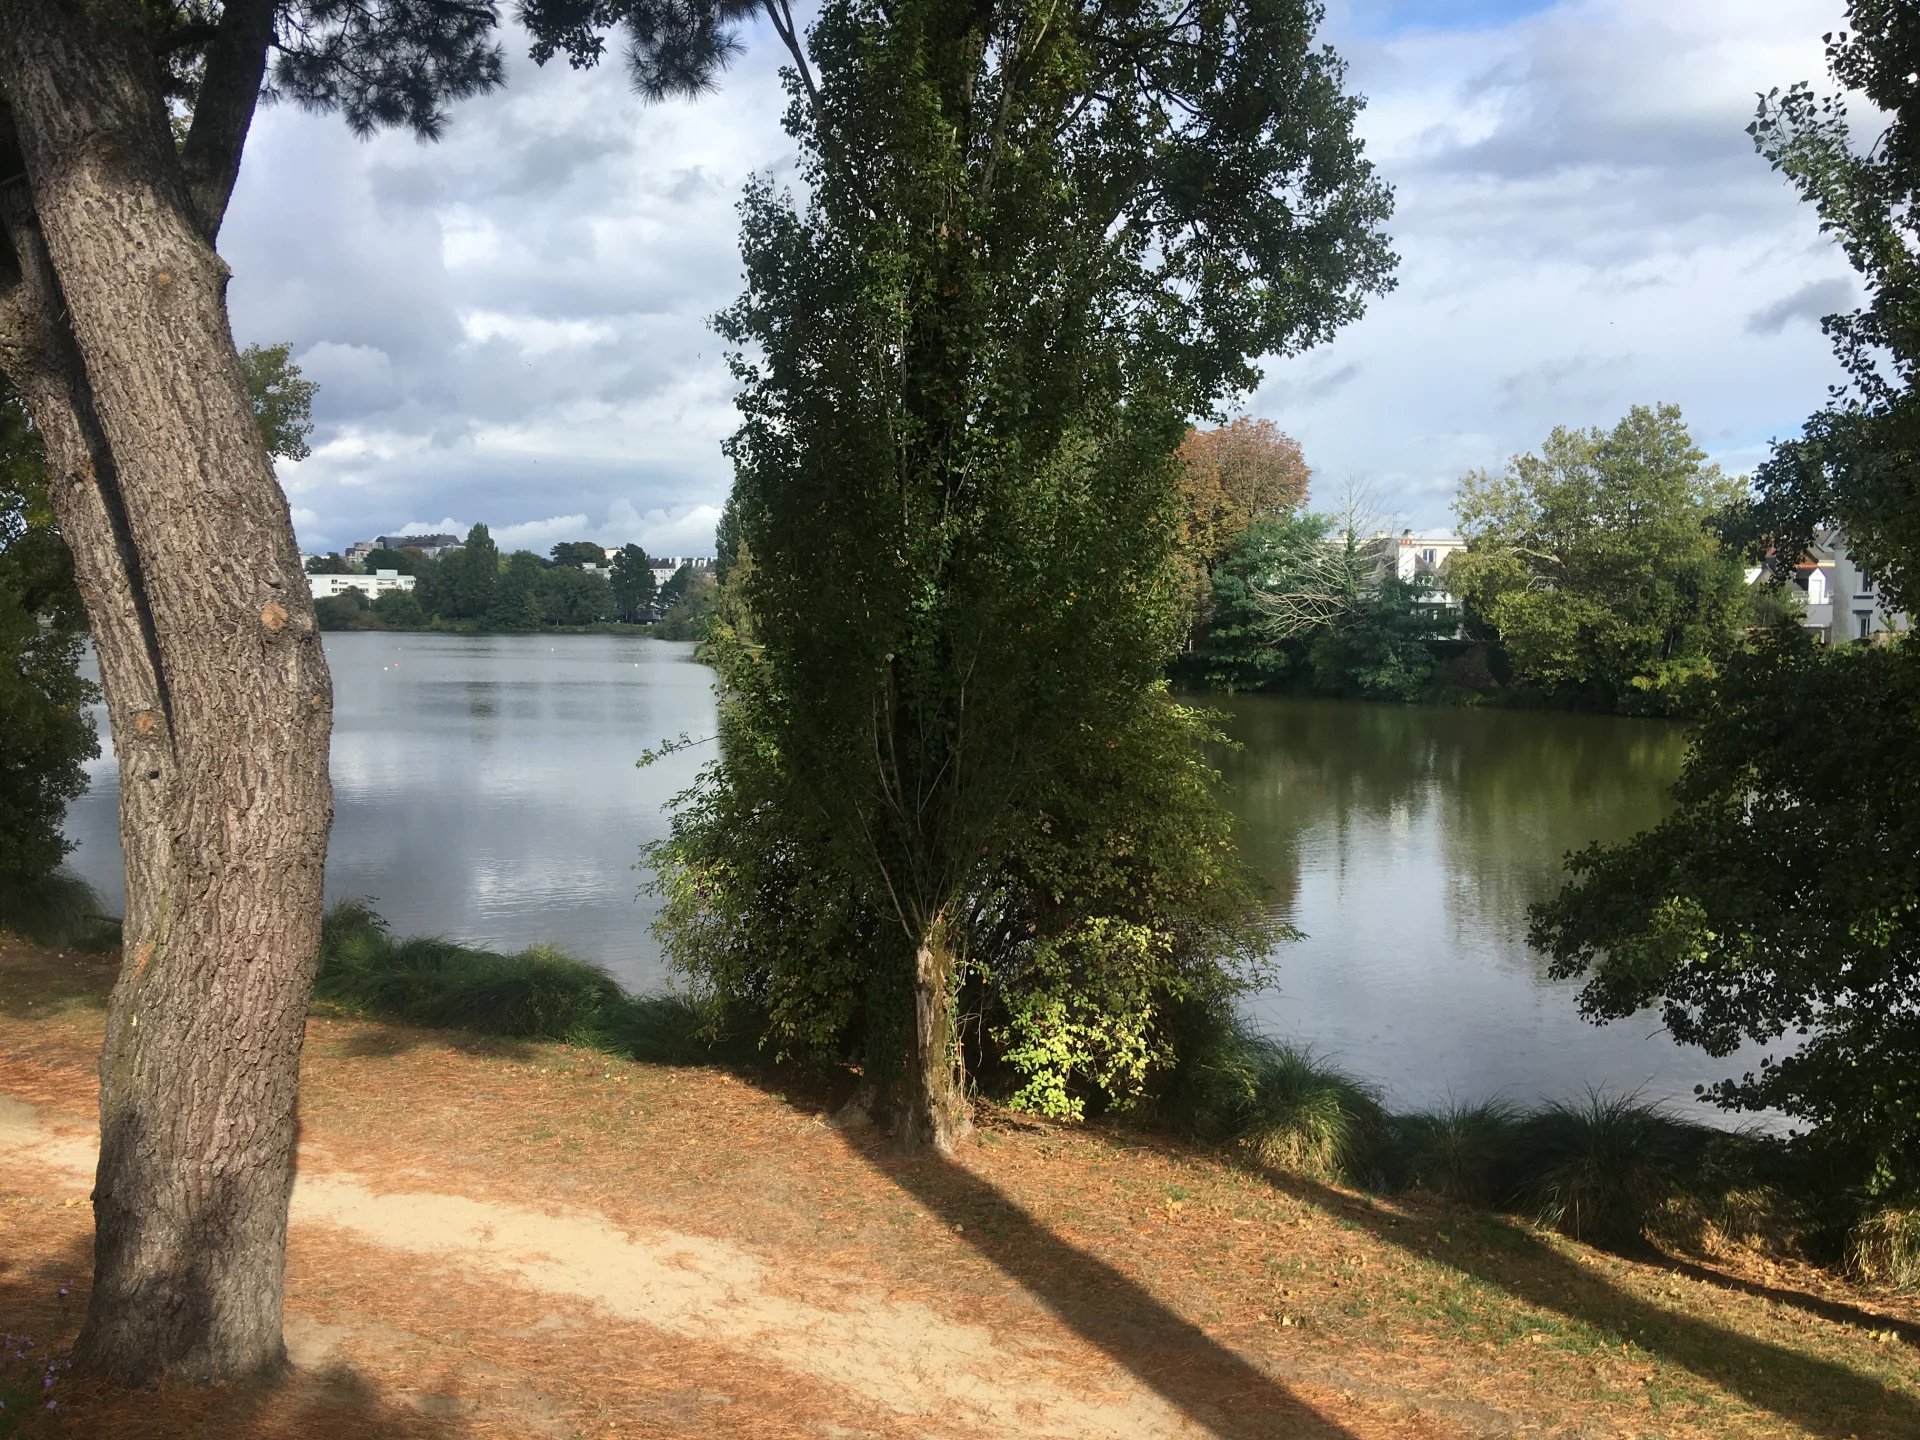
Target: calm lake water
x,y
485,789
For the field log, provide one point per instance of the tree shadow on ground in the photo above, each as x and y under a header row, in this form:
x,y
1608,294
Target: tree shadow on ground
x,y
335,1402
1212,1385
1840,1312
1820,1396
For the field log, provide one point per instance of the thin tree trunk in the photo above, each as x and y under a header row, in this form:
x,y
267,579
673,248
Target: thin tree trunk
x,y
221,708
933,1110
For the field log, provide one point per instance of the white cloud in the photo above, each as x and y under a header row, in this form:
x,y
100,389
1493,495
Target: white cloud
x,y
679,530
513,324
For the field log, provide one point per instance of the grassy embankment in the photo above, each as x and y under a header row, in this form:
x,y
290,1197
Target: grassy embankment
x,y
1144,1261
1609,1170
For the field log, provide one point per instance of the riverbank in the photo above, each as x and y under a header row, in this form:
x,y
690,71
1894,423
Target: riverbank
x,y
497,1237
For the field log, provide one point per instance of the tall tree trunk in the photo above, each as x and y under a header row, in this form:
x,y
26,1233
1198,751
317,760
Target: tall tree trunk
x,y
933,1109
221,708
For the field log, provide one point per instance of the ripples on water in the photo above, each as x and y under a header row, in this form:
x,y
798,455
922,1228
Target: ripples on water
x,y
485,789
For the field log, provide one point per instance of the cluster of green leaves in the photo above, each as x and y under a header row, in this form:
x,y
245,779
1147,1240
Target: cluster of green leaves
x,y
1034,243
1596,566
1365,634
47,736
1777,903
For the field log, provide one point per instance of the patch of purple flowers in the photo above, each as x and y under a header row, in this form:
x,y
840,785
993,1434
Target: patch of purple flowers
x,y
27,1380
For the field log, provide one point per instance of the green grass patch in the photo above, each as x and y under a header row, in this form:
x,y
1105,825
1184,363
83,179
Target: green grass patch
x,y
1277,1104
536,994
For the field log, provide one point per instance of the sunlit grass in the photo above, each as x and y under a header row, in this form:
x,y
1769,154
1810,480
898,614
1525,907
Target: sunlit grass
x,y
536,994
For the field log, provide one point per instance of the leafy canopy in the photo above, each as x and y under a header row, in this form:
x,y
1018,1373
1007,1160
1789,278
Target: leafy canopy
x,y
1596,564
1035,241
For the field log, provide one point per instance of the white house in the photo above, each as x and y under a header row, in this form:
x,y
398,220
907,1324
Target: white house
x,y
1842,603
1424,552
1859,613
325,587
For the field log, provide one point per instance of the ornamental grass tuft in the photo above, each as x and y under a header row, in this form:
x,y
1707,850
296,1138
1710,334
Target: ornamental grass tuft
x,y
1463,1153
1601,1169
1884,1249
1278,1105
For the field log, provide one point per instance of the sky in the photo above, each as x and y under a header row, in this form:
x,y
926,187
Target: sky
x,y
512,325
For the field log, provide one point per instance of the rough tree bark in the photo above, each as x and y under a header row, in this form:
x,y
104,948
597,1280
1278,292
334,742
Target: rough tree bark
x,y
116,332
933,1110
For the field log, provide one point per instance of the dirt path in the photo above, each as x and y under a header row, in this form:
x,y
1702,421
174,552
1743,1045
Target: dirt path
x,y
949,1378
502,1240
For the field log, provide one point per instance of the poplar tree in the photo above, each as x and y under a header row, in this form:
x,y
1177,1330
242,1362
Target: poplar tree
x,y
1038,238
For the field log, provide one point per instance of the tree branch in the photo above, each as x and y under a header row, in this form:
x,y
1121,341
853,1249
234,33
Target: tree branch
x,y
236,63
782,17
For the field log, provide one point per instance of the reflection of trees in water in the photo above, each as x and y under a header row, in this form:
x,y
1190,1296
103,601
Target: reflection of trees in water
x,y
1504,794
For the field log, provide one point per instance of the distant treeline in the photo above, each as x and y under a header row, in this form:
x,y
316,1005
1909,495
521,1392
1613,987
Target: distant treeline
x,y
477,589
1593,575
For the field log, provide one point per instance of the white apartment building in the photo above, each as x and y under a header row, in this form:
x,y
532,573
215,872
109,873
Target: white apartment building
x,y
325,587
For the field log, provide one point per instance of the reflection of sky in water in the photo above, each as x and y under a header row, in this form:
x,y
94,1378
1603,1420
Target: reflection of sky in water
x,y
485,787
1407,844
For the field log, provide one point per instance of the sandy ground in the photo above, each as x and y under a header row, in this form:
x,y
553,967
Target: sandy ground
x,y
494,1240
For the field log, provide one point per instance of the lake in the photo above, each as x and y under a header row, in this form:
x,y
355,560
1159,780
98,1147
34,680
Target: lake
x,y
485,789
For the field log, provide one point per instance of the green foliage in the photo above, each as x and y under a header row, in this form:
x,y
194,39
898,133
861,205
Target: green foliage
x,y
965,364
46,737
1596,563
1601,1170
330,564
567,595
538,994
406,561
1776,902
1381,648
349,610
514,604
465,580
60,911
576,553
282,399
689,614
1276,1104
1240,647
399,610
633,589
1301,602
1464,1153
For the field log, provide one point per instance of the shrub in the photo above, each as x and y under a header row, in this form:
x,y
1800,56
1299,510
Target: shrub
x,y
60,911
537,994
1278,1105
1599,1170
1463,1153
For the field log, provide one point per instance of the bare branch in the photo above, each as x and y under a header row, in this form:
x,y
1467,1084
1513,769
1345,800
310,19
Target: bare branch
x,y
223,110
